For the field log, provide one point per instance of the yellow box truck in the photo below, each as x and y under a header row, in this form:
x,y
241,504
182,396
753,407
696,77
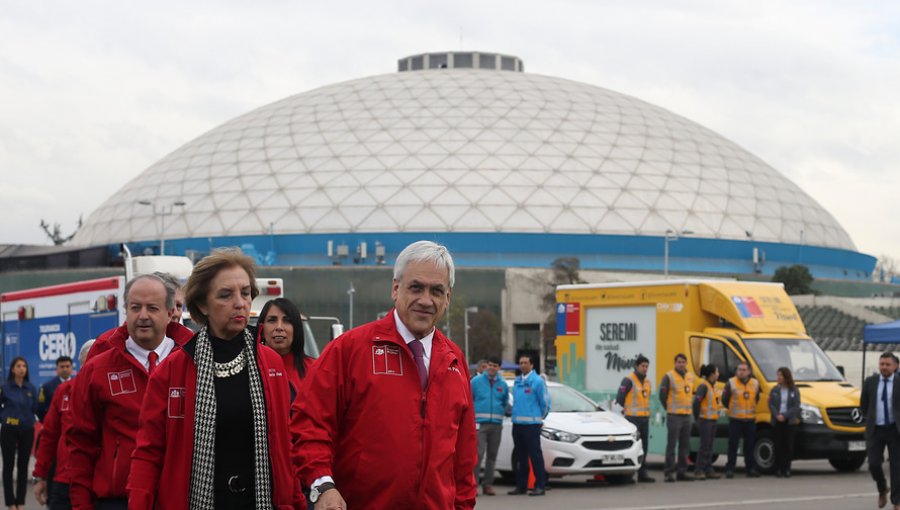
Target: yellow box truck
x,y
602,328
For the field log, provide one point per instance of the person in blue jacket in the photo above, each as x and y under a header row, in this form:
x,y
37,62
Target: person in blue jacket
x,y
491,397
18,405
531,404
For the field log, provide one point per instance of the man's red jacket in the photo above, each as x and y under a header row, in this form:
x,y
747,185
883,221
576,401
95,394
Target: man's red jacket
x,y
108,395
161,464
364,419
52,446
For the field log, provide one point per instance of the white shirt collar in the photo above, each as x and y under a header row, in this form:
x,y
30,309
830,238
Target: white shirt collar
x,y
408,337
143,355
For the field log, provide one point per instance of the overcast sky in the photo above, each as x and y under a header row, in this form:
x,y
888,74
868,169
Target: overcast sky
x,y
92,93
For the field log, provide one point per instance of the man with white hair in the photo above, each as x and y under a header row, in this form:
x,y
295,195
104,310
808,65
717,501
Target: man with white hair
x,y
387,419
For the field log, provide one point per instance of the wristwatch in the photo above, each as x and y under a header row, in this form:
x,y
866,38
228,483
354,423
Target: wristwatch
x,y
318,490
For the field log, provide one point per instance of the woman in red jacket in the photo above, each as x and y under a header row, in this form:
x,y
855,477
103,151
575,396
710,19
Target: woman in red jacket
x,y
214,422
280,327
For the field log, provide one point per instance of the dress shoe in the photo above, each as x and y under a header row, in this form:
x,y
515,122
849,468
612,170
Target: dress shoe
x,y
753,474
787,474
699,475
517,492
489,491
729,473
685,477
537,492
646,479
712,475
670,477
882,499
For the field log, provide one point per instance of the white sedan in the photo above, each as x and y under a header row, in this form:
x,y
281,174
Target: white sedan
x,y
579,437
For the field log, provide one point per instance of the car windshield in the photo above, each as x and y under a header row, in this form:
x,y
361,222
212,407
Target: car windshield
x,y
804,357
564,399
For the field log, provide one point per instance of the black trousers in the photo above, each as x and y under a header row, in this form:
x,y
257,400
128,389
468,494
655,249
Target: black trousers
x,y
783,436
15,445
737,430
643,426
527,441
885,436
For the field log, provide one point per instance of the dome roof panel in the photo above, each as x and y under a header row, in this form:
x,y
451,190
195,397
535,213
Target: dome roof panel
x,y
487,151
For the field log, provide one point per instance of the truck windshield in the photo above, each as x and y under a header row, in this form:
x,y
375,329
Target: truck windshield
x,y
804,357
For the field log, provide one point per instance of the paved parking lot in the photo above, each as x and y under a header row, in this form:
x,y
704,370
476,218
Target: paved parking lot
x,y
814,486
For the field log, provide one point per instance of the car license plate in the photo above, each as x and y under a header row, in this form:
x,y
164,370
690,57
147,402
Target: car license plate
x,y
856,446
613,459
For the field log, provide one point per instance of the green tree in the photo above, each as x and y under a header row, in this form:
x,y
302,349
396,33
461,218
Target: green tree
x,y
796,279
484,329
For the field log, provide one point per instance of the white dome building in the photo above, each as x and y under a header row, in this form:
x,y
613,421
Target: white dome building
x,y
506,168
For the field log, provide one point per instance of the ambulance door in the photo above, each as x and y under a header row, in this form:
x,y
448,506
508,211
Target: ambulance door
x,y
11,326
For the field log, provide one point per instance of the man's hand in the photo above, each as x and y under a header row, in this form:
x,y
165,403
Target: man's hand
x,y
40,492
331,500
780,417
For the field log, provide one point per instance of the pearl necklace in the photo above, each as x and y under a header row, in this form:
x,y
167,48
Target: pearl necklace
x,y
231,368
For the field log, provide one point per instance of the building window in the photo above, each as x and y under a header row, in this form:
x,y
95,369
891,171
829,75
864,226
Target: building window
x,y
462,60
437,61
508,63
403,65
417,63
487,61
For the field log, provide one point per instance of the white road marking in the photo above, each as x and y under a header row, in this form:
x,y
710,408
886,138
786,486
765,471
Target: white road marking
x,y
750,502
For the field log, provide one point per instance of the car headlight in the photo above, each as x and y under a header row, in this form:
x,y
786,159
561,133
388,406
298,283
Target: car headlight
x,y
559,435
636,435
811,414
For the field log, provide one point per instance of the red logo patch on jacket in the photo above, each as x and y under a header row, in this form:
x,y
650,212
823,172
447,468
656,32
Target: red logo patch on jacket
x,y
386,360
64,406
121,383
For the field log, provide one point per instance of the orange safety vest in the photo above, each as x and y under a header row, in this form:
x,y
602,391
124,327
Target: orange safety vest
x,y
709,406
742,405
637,401
681,393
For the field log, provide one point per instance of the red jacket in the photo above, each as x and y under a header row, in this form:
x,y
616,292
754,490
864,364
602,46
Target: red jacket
x,y
294,376
57,423
161,464
108,394
365,421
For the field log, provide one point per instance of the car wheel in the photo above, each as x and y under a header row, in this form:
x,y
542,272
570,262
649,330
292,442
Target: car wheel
x,y
847,464
764,451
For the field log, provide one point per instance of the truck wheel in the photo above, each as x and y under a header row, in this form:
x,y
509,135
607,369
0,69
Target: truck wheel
x,y
847,464
764,451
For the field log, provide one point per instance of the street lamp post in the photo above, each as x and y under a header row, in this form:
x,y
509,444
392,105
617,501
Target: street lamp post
x,y
671,235
163,212
471,309
350,292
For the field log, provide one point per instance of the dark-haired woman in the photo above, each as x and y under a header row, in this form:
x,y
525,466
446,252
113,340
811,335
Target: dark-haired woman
x,y
706,412
784,406
281,328
18,405
214,422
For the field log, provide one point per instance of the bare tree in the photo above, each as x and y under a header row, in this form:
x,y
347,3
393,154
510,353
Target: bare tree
x,y
886,268
55,234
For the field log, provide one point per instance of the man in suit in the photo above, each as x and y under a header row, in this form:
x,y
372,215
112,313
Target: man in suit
x,y
879,404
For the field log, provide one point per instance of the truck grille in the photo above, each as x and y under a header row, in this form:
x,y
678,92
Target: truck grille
x,y
844,416
607,446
